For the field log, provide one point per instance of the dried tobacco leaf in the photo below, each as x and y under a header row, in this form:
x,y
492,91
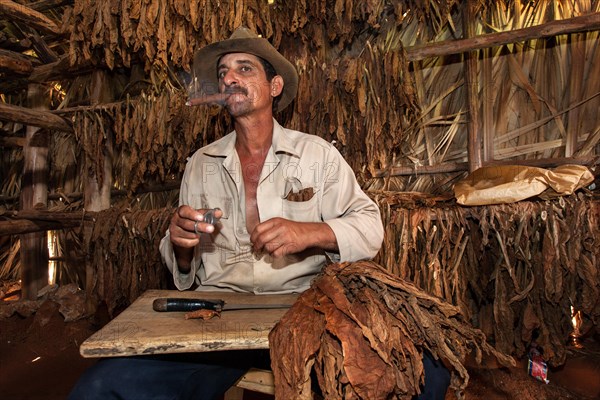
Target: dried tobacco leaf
x,y
366,335
202,314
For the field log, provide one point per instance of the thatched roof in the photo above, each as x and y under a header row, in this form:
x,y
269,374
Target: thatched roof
x,y
390,78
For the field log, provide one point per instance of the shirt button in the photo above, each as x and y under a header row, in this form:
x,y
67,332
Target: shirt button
x,y
259,290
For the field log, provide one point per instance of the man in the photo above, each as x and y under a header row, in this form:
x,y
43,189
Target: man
x,y
285,203
265,240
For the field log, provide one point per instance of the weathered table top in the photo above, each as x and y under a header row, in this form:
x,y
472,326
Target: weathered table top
x,y
139,330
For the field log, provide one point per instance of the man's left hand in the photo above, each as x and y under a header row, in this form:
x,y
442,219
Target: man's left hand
x,y
280,237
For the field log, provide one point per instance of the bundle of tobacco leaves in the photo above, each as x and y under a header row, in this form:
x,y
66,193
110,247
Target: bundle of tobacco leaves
x,y
362,332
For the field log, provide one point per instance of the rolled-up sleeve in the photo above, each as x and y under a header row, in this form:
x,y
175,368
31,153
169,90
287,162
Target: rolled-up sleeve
x,y
354,218
182,281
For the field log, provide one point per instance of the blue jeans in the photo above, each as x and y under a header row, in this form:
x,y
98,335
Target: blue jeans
x,y
203,376
437,379
198,376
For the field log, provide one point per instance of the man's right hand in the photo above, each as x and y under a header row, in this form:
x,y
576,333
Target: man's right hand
x,y
184,231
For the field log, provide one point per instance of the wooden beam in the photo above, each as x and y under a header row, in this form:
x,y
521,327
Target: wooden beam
x,y
13,84
23,226
97,181
472,91
26,116
548,162
584,23
60,217
462,167
406,170
44,52
34,194
69,196
589,145
43,5
487,108
33,18
576,84
97,107
11,61
13,141
54,71
59,69
14,44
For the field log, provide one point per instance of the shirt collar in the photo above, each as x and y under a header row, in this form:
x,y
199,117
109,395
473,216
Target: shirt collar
x,y
282,143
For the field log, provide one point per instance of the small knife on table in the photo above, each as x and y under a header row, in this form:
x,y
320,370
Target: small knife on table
x,y
179,304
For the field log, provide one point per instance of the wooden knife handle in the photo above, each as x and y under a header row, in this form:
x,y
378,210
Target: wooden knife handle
x,y
178,304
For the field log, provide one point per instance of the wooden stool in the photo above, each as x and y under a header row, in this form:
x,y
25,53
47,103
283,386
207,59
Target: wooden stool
x,y
257,380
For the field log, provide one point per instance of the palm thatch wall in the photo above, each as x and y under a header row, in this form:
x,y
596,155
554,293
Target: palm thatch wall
x,y
413,93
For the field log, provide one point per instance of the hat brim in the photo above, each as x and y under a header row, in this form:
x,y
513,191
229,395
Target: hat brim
x,y
205,64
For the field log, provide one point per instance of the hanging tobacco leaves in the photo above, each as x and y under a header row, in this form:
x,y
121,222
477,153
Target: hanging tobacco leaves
x,y
153,135
514,270
123,248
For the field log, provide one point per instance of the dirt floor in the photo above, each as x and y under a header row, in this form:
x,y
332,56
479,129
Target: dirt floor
x,y
39,359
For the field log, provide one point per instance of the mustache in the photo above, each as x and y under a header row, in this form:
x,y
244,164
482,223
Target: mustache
x,y
235,89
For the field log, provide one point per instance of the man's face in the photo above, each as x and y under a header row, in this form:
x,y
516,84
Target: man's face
x,y
243,75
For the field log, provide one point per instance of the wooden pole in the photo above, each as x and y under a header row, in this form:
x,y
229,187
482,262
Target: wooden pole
x,y
32,228
461,167
32,18
69,196
31,117
472,92
13,141
27,221
14,62
53,216
422,170
589,22
487,109
54,71
577,66
44,52
34,192
43,5
97,194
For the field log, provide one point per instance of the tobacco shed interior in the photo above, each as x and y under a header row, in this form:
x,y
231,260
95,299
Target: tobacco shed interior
x,y
474,126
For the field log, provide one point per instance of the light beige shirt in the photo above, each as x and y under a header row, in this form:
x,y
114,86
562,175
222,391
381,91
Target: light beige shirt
x,y
224,259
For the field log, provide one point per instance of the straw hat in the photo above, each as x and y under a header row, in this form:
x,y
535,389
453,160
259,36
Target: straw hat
x,y
243,40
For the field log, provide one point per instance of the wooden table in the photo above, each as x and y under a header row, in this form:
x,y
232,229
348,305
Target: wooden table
x,y
139,330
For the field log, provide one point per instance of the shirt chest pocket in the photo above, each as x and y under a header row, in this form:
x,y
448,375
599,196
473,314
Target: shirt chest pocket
x,y
301,211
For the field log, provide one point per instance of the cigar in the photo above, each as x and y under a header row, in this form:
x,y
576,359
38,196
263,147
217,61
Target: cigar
x,y
216,98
